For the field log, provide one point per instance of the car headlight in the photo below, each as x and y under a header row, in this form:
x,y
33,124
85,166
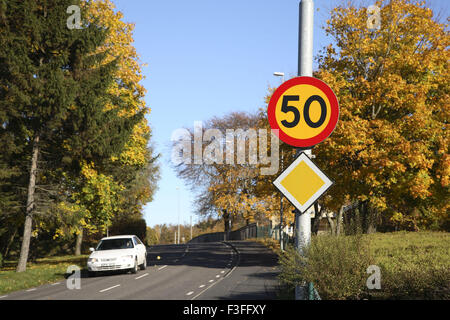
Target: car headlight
x,y
130,256
92,260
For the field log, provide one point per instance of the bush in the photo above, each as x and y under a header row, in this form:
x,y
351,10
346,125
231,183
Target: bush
x,y
1,260
336,265
413,265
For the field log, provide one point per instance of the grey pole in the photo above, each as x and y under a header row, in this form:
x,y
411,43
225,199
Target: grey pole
x,y
178,195
281,74
305,38
281,210
305,59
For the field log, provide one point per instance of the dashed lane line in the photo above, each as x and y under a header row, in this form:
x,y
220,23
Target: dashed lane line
x,y
162,267
189,293
146,274
118,285
214,283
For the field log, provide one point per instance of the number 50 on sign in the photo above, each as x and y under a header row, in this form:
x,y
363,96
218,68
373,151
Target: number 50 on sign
x,y
304,110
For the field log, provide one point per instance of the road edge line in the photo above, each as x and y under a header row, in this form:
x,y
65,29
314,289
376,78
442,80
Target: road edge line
x,y
226,275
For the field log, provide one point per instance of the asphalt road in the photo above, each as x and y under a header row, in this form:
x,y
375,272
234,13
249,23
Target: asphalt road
x,y
210,271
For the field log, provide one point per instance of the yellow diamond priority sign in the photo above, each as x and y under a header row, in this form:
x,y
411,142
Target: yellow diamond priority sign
x,y
302,183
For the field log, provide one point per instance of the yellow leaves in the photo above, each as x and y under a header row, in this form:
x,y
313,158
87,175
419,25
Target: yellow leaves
x,y
120,44
391,141
397,217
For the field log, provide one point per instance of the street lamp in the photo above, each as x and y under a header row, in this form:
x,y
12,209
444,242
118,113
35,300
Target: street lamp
x,y
281,74
178,195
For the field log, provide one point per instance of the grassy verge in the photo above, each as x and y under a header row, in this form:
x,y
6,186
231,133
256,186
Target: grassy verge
x,y
43,271
270,243
413,265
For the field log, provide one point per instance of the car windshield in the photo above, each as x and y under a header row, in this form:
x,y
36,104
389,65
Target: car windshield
x,y
112,244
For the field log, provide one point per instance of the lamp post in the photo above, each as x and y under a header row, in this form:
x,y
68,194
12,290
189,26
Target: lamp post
x,y
178,233
281,74
305,59
191,227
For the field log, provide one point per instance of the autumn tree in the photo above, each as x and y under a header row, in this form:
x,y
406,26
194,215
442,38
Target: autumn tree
x,y
125,181
71,107
39,52
389,151
225,179
135,168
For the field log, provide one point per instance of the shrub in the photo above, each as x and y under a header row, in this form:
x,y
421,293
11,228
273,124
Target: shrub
x,y
1,260
336,265
413,265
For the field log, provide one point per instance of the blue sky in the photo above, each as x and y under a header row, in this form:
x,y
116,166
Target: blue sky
x,y
207,58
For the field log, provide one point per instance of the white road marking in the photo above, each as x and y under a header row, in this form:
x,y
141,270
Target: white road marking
x,y
162,267
118,285
222,271
54,284
3,297
212,284
29,290
218,276
189,293
201,286
146,274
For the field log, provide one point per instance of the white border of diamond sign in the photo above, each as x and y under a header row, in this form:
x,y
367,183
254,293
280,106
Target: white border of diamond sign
x,y
328,183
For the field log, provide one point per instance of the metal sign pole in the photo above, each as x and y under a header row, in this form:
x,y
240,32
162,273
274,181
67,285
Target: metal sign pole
x,y
305,59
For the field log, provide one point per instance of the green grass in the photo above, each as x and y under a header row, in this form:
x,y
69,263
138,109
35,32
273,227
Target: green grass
x,y
414,265
43,271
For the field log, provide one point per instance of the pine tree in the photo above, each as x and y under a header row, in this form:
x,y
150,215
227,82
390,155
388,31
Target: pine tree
x,y
54,93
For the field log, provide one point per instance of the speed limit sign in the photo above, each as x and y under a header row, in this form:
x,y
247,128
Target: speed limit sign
x,y
303,111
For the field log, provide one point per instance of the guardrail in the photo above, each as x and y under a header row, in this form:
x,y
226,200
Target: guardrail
x,y
250,231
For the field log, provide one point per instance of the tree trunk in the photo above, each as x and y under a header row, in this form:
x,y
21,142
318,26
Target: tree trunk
x,y
371,222
331,223
78,242
226,221
10,242
317,217
22,265
339,221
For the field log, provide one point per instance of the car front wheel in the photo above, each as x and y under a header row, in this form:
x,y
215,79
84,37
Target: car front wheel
x,y
144,264
135,269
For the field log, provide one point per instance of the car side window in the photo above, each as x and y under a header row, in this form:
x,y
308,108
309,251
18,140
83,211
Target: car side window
x,y
138,241
129,244
135,241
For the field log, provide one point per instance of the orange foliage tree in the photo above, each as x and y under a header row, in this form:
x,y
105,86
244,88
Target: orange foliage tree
x,y
389,150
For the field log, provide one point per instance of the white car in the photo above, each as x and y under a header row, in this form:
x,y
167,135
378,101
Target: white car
x,y
118,253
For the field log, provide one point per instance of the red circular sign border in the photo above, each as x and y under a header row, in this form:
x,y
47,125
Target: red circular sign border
x,y
334,106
